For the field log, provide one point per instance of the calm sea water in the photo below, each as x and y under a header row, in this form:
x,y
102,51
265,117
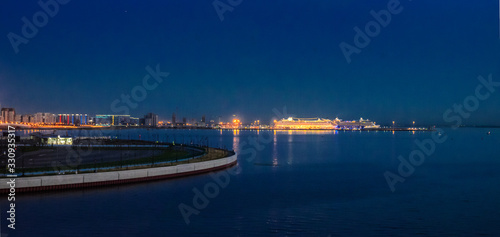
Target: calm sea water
x,y
292,184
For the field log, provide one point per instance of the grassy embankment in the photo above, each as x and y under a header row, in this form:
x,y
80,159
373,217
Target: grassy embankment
x,y
170,155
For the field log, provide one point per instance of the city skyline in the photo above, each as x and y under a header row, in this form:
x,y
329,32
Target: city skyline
x,y
452,115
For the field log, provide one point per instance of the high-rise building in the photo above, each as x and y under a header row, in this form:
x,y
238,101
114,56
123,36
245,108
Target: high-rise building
x,y
112,120
27,118
151,120
44,118
81,119
72,119
203,118
9,115
173,118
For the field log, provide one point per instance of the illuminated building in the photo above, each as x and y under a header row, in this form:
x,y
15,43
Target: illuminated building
x,y
112,120
235,124
57,140
44,118
255,125
72,119
305,123
27,118
134,121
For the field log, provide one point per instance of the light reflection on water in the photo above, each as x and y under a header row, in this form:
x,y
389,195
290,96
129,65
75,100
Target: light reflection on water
x,y
236,141
306,132
275,149
290,150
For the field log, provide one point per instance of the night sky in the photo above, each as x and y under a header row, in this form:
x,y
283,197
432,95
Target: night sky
x,y
264,55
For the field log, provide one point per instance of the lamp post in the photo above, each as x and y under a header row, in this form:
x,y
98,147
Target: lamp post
x,y
393,125
413,124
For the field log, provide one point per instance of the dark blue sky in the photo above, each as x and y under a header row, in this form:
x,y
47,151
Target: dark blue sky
x,y
264,55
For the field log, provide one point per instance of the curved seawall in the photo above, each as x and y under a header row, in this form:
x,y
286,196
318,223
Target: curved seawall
x,y
57,182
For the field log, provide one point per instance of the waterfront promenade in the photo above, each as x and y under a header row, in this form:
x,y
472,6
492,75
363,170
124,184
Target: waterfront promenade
x,y
59,182
74,166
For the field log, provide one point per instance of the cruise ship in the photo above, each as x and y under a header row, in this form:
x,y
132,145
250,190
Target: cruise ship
x,y
305,123
356,125
319,123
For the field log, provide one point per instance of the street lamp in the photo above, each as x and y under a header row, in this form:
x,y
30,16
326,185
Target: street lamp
x,y
393,124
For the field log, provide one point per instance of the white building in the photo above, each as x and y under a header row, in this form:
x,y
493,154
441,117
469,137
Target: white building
x,y
57,140
27,118
45,118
